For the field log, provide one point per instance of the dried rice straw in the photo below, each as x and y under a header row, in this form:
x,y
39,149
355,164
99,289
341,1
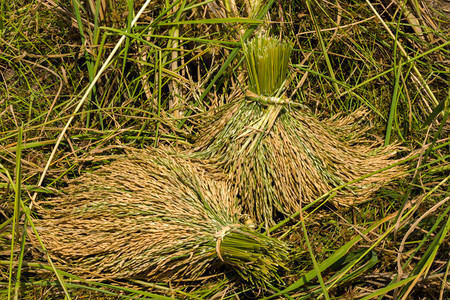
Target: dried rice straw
x,y
149,214
278,154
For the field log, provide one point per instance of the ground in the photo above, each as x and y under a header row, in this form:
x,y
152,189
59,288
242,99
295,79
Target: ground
x,y
180,62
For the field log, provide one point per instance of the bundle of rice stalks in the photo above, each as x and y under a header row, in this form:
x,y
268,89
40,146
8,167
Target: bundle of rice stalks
x,y
152,215
278,154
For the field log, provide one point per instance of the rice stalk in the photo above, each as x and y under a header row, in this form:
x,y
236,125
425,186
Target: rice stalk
x,y
278,154
267,64
152,215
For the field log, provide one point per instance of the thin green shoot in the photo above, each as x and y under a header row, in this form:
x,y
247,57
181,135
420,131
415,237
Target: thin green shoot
x,y
394,103
323,48
313,258
158,82
77,8
18,198
16,214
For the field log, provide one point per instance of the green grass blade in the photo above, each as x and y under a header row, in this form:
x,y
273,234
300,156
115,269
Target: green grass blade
x,y
129,28
158,83
21,258
394,103
350,258
77,7
395,95
16,214
317,270
2,15
7,222
389,288
77,11
323,47
18,199
442,106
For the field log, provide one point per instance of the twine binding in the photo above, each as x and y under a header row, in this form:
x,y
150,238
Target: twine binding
x,y
269,100
219,237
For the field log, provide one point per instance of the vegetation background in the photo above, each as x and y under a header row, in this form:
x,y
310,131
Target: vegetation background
x,y
81,78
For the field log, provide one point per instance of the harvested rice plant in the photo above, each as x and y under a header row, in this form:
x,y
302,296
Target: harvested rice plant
x,y
224,149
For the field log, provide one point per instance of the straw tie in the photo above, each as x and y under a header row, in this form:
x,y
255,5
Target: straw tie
x,y
269,100
219,237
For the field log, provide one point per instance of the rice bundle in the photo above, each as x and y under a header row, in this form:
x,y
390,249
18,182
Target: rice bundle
x,y
278,154
149,214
